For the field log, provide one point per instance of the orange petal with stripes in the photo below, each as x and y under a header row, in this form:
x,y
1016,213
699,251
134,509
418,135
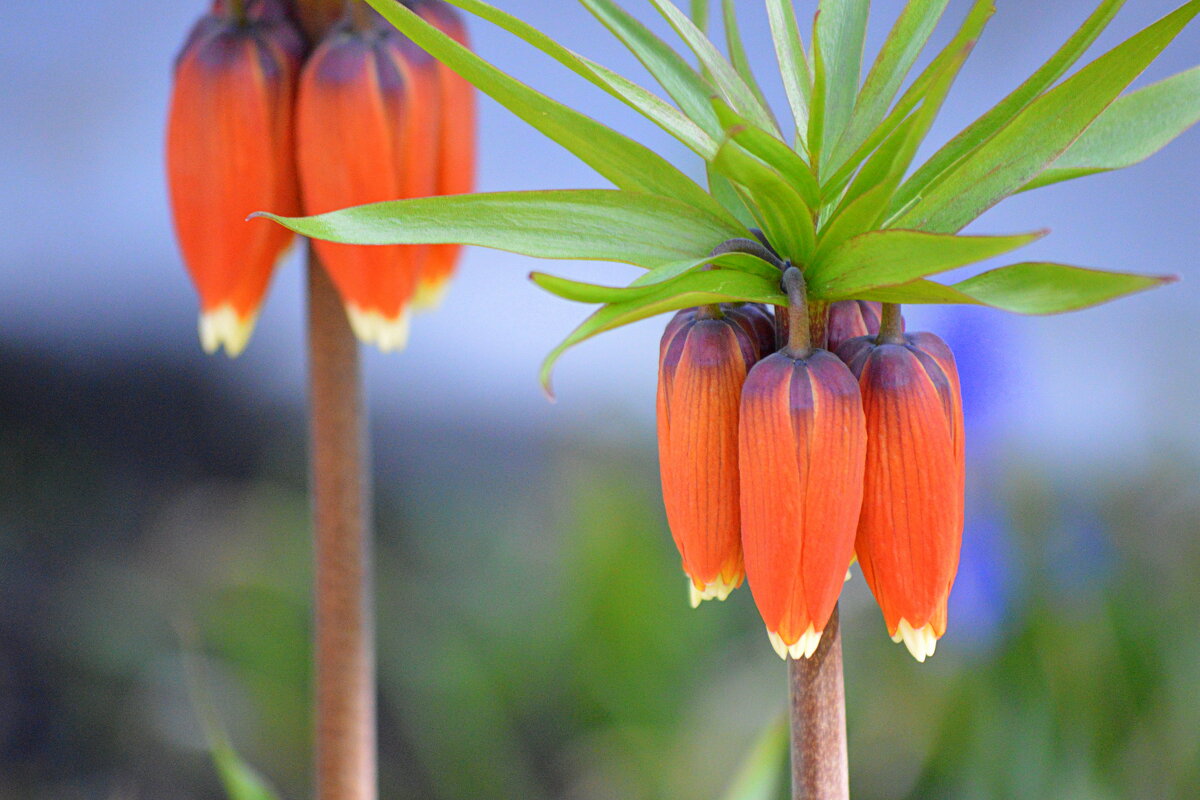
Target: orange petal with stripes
x,y
229,153
703,363
910,532
366,127
802,451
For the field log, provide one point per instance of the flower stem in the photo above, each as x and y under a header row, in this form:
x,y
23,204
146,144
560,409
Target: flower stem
x,y
891,325
818,714
363,15
317,15
341,499
799,343
237,10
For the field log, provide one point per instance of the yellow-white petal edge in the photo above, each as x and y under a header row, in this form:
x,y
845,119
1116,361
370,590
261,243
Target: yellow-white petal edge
x,y
224,326
430,294
921,643
371,327
804,647
717,590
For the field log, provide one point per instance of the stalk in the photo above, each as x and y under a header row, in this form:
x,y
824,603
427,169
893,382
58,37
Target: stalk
x,y
344,622
344,651
820,768
817,696
891,326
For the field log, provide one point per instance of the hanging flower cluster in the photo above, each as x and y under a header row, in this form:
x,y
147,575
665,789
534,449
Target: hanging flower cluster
x,y
791,442
257,121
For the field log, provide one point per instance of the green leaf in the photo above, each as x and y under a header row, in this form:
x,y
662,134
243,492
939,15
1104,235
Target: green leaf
x,y
841,27
1040,133
1038,288
735,90
785,218
695,289
1030,288
589,224
240,780
946,60
626,163
900,50
650,282
770,149
1000,115
729,197
761,775
737,54
682,83
636,97
1131,130
885,258
699,14
793,64
816,108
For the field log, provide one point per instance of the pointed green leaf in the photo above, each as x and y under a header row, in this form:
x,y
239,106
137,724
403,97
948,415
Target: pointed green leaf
x,y
636,97
947,60
816,107
589,224
621,160
884,258
649,283
697,288
770,149
793,64
1040,133
699,14
761,775
682,83
785,218
1030,288
1133,128
1038,288
1000,115
900,50
842,29
737,53
735,90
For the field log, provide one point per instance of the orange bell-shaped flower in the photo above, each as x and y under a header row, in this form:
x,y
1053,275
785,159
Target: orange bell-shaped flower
x,y
367,122
910,531
803,445
455,145
230,153
703,360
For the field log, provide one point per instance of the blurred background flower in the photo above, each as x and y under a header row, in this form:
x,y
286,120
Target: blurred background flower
x,y
143,486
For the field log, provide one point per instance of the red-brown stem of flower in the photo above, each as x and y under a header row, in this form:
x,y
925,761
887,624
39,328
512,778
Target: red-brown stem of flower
x,y
891,325
362,15
818,713
341,498
710,311
317,15
818,323
799,342
237,10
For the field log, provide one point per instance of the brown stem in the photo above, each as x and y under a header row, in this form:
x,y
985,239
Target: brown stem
x,y
710,311
818,323
237,10
362,15
799,343
344,621
818,711
891,325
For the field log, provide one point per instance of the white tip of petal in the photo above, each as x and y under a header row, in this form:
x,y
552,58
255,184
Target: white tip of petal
x,y
717,590
920,642
803,647
430,295
371,327
225,327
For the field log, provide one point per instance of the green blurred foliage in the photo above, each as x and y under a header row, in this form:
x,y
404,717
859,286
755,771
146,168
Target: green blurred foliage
x,y
534,635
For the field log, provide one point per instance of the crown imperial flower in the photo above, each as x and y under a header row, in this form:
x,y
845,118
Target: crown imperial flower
x,y
229,153
704,357
370,86
910,531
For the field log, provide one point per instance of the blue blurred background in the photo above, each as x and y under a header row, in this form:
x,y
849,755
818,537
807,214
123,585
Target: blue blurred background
x,y
535,639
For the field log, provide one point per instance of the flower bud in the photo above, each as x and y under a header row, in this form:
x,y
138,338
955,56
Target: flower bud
x,y
703,362
366,122
455,145
910,531
803,444
230,153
